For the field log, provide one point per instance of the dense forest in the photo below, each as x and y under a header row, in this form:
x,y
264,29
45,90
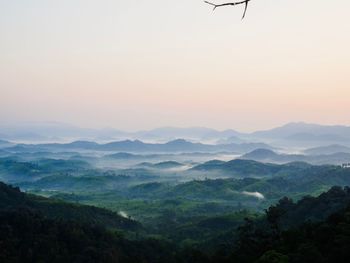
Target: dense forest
x,y
314,229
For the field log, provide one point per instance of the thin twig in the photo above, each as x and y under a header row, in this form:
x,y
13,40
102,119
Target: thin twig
x,y
245,2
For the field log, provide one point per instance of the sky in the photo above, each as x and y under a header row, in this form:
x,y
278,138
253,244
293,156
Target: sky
x,y
149,63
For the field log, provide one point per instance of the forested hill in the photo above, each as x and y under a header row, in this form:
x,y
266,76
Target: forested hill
x,y
315,229
11,198
36,229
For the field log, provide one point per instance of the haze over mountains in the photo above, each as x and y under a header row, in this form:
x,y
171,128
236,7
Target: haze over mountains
x,y
315,157
189,186
298,134
179,145
293,142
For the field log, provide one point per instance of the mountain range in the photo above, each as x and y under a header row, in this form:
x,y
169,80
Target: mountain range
x,y
178,145
329,149
318,156
297,133
301,130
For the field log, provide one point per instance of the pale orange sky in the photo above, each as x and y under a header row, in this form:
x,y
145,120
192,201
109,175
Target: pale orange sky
x,y
144,64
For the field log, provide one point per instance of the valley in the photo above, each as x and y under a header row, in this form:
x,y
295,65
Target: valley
x,y
191,194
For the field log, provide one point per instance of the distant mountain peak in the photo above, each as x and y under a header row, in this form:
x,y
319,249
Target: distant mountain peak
x,y
178,141
329,149
260,153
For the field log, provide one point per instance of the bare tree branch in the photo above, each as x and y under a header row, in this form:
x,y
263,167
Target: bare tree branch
x,y
245,2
